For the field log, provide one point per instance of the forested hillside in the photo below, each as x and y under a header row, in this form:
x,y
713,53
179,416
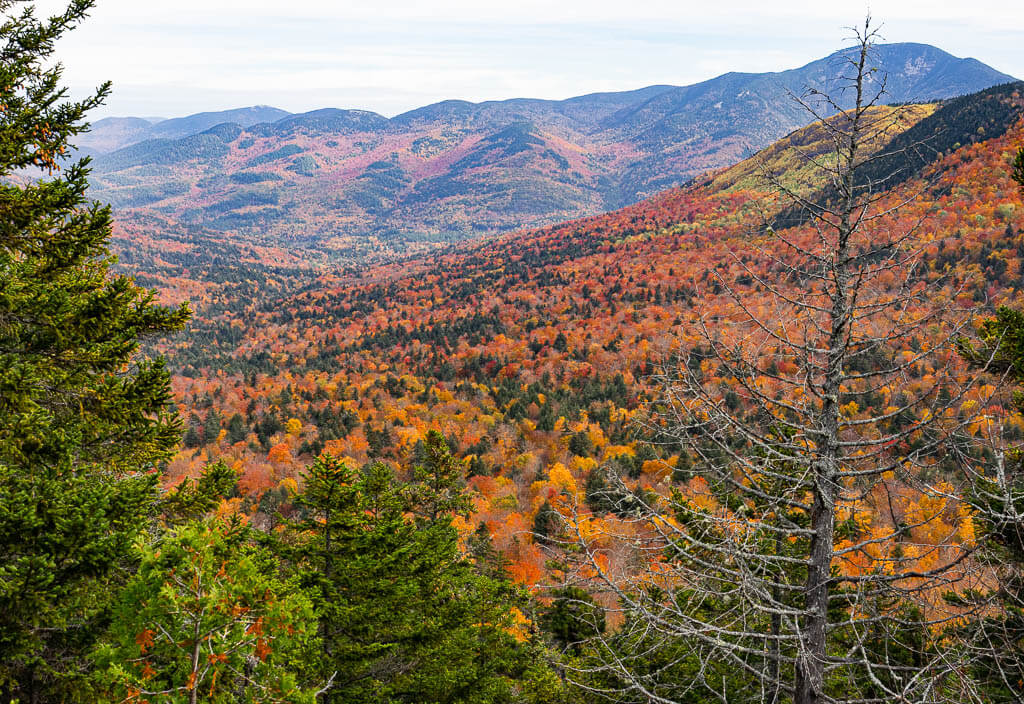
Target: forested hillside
x,y
753,440
531,353
356,185
540,357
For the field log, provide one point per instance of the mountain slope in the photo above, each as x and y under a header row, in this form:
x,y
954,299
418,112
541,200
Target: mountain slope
x,y
112,133
532,351
361,184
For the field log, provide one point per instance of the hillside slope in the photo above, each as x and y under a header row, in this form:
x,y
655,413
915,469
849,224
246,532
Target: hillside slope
x,y
359,184
532,352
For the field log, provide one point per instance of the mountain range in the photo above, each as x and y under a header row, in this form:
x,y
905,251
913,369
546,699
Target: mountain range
x,y
532,350
356,183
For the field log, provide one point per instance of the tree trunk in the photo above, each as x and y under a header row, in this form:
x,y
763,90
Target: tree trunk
x,y
775,645
810,667
326,637
810,672
193,695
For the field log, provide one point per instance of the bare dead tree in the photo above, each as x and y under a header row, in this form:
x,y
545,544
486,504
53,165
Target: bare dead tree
x,y
806,554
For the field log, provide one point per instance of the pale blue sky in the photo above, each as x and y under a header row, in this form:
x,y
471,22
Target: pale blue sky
x,y
175,58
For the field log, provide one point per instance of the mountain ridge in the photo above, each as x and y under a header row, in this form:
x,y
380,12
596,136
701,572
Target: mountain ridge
x,y
202,121
359,183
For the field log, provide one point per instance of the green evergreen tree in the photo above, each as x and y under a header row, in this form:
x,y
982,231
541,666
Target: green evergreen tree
x,y
599,493
205,619
194,499
211,426
404,617
581,445
546,420
481,550
84,422
546,523
237,429
573,618
1018,168
192,436
438,486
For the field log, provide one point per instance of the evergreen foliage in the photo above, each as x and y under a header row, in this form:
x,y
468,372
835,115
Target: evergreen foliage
x,y
437,488
1018,168
204,619
573,619
404,617
195,498
84,422
375,589
546,523
997,639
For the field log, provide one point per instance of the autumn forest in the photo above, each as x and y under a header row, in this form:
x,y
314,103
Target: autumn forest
x,y
753,438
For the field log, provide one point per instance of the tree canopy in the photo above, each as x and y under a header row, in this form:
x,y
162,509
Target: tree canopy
x,y
84,419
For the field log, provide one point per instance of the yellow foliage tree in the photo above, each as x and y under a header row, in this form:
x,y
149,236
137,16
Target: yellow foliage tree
x,y
560,476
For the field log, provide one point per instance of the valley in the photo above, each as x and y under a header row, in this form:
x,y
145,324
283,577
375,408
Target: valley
x,y
535,353
702,394
354,186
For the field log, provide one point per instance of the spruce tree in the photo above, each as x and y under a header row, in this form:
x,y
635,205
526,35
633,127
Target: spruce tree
x,y
1018,168
206,619
404,615
84,422
438,486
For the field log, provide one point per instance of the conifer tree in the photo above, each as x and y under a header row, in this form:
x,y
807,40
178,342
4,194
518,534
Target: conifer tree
x,y
1018,168
84,422
438,488
996,638
206,619
404,616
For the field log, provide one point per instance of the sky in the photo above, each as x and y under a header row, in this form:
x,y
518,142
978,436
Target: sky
x,y
168,59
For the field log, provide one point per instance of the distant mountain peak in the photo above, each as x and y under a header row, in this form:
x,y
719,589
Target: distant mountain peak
x,y
457,168
111,134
